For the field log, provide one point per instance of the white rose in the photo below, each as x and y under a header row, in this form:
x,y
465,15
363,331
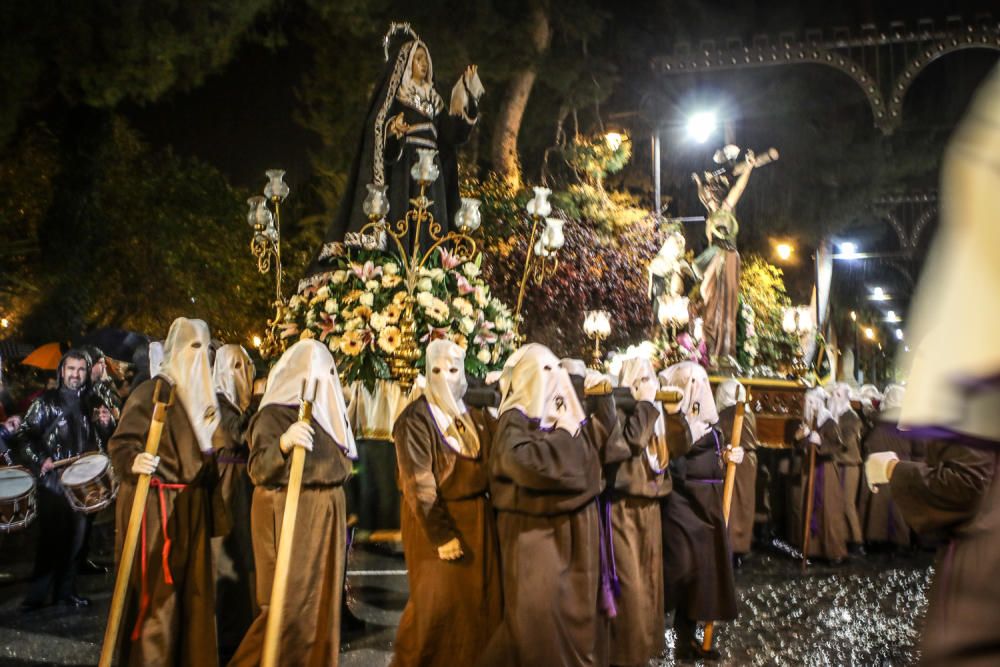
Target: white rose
x,y
424,299
466,325
372,285
503,324
462,306
323,293
378,321
470,270
339,277
483,356
310,317
424,285
390,269
437,275
367,299
330,306
353,323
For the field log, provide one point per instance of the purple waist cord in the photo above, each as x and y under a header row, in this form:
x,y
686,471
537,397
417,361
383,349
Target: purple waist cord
x,y
610,586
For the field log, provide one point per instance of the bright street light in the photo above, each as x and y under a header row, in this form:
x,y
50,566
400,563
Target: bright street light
x,y
892,317
701,126
614,140
854,316
899,334
848,250
784,251
869,333
878,294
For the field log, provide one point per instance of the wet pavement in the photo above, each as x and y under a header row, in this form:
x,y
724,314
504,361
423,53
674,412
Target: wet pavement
x,y
865,612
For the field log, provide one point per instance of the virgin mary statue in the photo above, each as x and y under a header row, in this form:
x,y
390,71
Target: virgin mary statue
x,y
405,114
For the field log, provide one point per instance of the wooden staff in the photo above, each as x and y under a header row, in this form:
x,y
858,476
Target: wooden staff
x,y
134,524
727,493
807,515
276,608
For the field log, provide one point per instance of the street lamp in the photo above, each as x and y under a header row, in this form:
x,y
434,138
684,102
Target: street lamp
x,y
878,294
702,125
614,140
869,333
784,251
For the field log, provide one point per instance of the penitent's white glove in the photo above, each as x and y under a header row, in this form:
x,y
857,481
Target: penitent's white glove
x,y
734,454
815,439
595,379
646,389
877,468
145,464
802,432
299,434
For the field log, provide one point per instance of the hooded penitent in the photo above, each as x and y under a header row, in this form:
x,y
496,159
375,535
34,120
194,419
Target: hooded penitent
x,y
840,399
308,366
815,413
186,366
533,382
893,397
635,372
233,374
446,386
697,405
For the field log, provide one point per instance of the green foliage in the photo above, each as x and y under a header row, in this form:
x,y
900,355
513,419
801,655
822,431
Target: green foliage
x,y
104,53
158,237
762,288
593,158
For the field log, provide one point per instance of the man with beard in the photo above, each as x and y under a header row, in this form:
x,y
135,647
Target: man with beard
x,y
56,427
170,611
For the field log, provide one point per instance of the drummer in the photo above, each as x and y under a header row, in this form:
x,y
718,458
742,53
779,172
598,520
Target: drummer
x,y
56,427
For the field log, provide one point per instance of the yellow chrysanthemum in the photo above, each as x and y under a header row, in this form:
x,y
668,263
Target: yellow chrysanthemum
x,y
389,339
352,296
352,343
393,312
460,340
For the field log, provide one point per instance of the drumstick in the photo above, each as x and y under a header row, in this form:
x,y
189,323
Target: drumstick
x,y
134,522
276,607
65,462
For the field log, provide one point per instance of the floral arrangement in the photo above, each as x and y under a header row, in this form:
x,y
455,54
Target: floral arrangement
x,y
355,308
746,335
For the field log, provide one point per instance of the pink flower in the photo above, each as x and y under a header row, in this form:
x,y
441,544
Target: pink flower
x,y
485,334
463,285
434,333
366,272
326,326
448,260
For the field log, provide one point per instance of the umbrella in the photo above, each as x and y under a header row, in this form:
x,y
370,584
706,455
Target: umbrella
x,y
116,343
46,357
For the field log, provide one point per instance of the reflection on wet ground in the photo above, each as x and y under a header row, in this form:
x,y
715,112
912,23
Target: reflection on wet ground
x,y
865,612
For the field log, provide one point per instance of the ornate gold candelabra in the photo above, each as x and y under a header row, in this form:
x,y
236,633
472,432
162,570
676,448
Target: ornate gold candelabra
x,y
597,326
406,233
540,262
265,245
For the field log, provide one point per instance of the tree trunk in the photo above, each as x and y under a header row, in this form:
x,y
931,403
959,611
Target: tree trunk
x,y
505,161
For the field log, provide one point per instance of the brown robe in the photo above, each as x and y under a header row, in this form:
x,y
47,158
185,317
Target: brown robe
x,y
828,528
236,600
697,556
310,632
544,486
743,509
177,619
454,606
849,464
955,492
637,630
881,518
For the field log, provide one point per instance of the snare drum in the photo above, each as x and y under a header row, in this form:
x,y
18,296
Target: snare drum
x,y
90,483
17,499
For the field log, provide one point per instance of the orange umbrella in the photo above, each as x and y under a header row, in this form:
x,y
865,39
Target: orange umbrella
x,y
46,357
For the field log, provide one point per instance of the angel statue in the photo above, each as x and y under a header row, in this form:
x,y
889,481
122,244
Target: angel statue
x,y
719,264
666,273
406,114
